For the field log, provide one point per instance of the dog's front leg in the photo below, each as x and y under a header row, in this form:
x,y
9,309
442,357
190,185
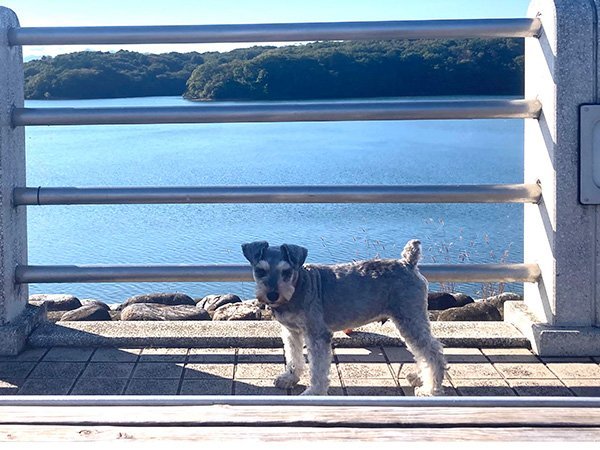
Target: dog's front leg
x,y
294,367
319,360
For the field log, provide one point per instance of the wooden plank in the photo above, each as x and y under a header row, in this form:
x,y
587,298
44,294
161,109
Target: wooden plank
x,y
298,400
288,415
277,435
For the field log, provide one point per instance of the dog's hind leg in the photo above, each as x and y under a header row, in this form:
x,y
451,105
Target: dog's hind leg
x,y
319,360
428,353
294,359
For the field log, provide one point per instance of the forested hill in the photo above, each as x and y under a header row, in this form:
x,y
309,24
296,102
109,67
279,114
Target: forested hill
x,y
121,74
313,71
98,74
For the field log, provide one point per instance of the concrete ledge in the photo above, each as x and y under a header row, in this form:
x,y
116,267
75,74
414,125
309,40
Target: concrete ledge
x,y
547,340
13,336
256,334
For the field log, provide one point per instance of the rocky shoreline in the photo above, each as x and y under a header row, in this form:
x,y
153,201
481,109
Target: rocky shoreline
x,y
166,306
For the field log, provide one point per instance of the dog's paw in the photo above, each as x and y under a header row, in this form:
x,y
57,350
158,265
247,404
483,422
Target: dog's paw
x,y
414,379
286,380
428,392
313,391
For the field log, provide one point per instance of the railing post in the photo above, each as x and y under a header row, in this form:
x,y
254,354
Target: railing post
x,y
16,320
561,315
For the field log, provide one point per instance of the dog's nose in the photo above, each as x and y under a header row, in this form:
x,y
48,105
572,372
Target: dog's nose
x,y
272,296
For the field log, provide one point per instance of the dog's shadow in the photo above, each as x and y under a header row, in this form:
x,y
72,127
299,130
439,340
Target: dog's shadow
x,y
365,337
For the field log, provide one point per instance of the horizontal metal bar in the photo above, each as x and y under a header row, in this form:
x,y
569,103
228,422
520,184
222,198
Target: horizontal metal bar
x,y
510,273
146,273
299,400
114,274
277,32
282,112
494,193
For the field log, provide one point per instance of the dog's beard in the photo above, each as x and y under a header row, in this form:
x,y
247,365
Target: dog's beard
x,y
286,291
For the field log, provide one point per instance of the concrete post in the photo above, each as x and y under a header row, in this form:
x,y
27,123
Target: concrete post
x,y
561,312
16,320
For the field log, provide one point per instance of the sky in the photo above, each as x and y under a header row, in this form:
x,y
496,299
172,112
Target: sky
x,y
48,13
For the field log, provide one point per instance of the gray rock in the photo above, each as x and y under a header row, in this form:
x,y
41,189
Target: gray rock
x,y
433,315
89,312
154,311
54,316
462,299
440,300
499,300
161,298
437,301
247,310
473,312
212,302
55,302
93,301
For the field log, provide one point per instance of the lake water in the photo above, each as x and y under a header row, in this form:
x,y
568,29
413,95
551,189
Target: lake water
x,y
380,152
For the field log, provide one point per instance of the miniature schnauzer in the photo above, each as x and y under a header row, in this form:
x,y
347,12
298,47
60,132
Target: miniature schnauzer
x,y
312,301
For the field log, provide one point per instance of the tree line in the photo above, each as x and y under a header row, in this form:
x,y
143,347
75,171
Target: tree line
x,y
322,70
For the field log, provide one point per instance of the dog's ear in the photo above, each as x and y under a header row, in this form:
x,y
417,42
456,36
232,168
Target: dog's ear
x,y
254,251
294,254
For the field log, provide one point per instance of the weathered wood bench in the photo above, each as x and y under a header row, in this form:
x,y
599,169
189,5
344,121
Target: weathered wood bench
x,y
281,419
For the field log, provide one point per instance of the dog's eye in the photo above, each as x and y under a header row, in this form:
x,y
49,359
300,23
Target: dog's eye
x,y
286,274
260,272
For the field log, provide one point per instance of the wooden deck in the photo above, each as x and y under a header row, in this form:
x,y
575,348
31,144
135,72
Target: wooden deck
x,y
281,420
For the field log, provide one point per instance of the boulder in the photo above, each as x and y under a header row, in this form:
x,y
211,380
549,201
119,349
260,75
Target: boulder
x,y
437,301
115,311
55,302
440,300
433,315
161,298
473,312
155,311
89,312
212,302
93,301
54,316
246,310
499,300
462,299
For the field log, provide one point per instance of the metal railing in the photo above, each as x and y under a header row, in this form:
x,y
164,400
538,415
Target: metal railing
x,y
493,193
286,32
286,112
113,274
276,112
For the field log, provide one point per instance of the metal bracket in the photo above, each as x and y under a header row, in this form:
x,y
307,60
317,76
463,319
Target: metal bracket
x,y
589,154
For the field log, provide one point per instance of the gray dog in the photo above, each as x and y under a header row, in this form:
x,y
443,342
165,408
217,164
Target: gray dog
x,y
313,301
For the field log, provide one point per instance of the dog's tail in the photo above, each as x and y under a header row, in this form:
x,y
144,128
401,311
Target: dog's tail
x,y
412,252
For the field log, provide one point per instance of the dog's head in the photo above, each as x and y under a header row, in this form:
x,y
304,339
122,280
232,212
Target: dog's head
x,y
275,270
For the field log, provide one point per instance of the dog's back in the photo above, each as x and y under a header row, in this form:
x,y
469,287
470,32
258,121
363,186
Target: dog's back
x,y
353,294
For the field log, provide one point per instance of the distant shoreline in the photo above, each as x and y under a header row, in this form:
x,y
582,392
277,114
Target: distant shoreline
x,y
204,101
317,71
